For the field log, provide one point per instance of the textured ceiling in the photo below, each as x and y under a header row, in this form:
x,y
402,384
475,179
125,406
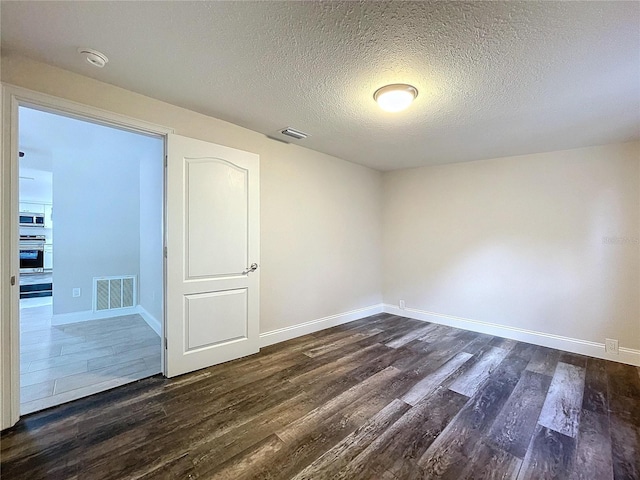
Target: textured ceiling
x,y
495,79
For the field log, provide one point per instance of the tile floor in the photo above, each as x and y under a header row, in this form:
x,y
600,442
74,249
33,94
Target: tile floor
x,y
62,363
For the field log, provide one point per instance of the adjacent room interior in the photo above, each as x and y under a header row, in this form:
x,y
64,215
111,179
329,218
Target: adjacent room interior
x,y
90,302
445,291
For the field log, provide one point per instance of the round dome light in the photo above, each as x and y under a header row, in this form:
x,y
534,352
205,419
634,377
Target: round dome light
x,y
396,97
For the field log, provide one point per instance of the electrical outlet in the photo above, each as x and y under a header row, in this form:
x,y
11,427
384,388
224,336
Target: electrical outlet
x,y
401,304
611,346
76,292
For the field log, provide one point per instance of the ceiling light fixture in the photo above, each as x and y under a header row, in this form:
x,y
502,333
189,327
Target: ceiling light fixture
x,y
94,57
396,97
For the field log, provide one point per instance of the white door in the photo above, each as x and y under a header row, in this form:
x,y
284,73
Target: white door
x,y
213,235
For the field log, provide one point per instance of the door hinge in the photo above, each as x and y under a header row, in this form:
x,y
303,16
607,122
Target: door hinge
x,y
165,252
165,343
13,280
166,161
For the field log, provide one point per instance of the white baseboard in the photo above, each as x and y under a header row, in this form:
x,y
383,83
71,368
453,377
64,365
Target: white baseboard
x,y
287,333
575,345
152,321
88,315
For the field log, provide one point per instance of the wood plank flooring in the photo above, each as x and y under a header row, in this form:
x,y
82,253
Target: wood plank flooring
x,y
66,362
380,398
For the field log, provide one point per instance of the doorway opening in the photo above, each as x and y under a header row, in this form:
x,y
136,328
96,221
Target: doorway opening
x,y
91,257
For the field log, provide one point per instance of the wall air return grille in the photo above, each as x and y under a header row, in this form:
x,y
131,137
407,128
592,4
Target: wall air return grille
x,y
111,293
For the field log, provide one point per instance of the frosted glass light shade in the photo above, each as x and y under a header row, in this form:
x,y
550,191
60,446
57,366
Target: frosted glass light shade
x,y
395,98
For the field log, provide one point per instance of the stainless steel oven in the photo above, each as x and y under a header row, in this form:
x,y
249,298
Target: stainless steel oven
x,y
31,253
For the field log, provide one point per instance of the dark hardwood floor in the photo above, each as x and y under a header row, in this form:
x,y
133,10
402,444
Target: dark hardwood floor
x,y
380,398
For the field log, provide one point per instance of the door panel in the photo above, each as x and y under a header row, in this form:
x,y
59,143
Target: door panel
x,y
212,239
225,313
217,208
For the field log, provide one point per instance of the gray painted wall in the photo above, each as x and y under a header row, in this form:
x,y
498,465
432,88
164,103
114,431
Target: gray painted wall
x,y
151,259
96,197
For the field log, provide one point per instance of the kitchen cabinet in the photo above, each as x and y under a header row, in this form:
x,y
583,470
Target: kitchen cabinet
x,y
48,216
48,256
32,207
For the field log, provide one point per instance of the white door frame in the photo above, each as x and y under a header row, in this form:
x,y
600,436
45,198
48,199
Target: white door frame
x,y
12,97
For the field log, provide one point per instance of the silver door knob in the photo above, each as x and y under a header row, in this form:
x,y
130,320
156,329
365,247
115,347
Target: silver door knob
x,y
252,268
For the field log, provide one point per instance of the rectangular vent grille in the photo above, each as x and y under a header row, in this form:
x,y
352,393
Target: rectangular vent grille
x,y
110,293
292,132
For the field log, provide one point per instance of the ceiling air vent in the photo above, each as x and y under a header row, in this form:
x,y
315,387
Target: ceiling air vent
x,y
292,132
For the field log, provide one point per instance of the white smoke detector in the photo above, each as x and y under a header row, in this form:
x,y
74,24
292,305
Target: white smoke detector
x,y
94,57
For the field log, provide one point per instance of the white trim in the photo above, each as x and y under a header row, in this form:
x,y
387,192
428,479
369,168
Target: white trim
x,y
152,321
9,302
575,345
287,333
88,315
42,101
